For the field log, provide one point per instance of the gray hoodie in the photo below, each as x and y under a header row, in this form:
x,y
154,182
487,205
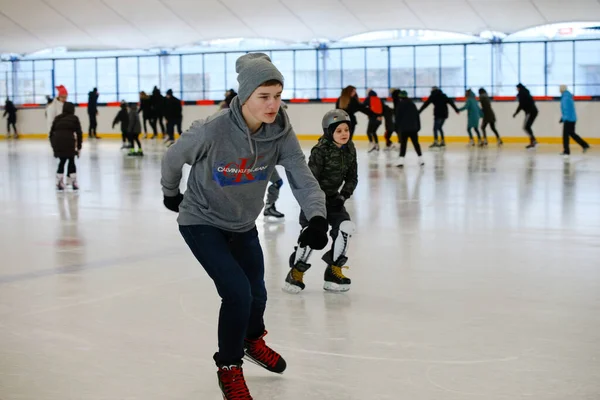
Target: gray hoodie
x,y
231,169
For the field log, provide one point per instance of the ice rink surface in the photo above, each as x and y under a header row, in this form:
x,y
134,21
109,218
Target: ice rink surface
x,y
474,278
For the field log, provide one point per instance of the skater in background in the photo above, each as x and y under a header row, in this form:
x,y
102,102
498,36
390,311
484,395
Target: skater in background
x,y
66,140
408,124
473,115
333,163
273,195
273,190
147,114
349,102
440,114
388,118
527,104
217,214
174,115
134,130
229,95
122,117
55,107
10,111
489,117
569,119
92,110
158,108
374,106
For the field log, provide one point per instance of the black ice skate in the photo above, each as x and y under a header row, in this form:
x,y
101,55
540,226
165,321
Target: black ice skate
x,y
335,281
532,145
271,211
294,283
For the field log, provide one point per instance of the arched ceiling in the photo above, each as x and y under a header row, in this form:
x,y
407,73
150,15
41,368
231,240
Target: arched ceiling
x,y
31,25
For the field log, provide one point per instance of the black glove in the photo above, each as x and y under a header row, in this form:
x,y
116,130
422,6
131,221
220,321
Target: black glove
x,y
561,121
315,234
172,202
337,202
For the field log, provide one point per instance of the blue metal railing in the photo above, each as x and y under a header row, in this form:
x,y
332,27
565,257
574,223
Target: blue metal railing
x,y
313,70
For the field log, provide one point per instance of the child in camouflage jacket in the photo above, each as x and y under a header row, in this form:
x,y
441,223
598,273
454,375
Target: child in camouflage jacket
x,y
333,162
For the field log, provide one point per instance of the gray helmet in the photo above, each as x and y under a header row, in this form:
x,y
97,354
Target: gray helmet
x,y
334,117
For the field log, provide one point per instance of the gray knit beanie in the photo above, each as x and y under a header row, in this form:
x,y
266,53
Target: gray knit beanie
x,y
253,70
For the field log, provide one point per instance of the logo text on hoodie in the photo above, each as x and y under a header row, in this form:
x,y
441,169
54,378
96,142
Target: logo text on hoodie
x,y
239,173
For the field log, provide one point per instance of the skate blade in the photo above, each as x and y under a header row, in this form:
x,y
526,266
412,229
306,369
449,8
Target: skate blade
x,y
273,219
291,289
248,358
335,288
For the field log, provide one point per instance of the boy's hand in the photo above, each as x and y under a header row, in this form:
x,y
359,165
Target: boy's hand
x,y
315,234
338,201
172,203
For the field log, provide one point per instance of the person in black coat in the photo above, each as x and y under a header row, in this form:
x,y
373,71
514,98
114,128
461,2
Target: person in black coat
x,y
10,111
147,114
174,115
66,140
440,113
123,118
527,104
489,117
92,109
349,102
390,128
158,108
408,124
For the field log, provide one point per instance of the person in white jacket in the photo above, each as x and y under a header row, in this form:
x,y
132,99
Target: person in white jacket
x,y
55,108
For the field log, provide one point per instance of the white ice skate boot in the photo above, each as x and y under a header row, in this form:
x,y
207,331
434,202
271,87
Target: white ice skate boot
x,y
60,185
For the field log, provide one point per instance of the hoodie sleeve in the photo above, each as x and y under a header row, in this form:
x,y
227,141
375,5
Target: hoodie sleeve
x,y
190,148
116,119
304,185
563,106
451,102
425,105
520,107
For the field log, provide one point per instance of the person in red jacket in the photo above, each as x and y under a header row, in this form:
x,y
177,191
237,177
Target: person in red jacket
x,y
374,106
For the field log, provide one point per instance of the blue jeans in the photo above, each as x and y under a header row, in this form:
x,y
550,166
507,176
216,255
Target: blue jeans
x,y
235,263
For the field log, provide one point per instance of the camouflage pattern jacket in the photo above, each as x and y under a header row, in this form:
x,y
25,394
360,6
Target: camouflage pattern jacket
x,y
333,166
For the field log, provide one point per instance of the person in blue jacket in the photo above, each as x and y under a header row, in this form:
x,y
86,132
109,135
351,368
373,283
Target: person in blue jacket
x,y
568,119
473,117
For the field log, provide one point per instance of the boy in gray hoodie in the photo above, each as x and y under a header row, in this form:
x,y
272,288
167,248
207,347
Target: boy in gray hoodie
x,y
232,156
